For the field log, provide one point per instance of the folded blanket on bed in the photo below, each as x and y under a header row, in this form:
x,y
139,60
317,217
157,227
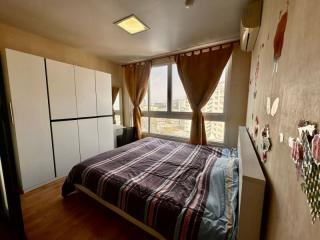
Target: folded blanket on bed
x,y
183,191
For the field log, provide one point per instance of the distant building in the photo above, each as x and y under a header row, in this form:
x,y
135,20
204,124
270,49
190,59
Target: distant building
x,y
181,127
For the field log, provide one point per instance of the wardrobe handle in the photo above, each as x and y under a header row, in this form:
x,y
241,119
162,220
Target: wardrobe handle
x,y
11,113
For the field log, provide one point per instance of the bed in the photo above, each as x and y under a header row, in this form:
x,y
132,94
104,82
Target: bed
x,y
175,190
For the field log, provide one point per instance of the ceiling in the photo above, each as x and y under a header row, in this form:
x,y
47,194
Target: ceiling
x,y
88,24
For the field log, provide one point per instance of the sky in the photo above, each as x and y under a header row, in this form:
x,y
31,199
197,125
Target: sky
x,y
158,84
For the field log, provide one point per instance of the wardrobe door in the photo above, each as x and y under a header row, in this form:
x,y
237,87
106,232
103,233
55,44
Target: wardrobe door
x,y
31,123
88,137
104,93
66,146
62,90
105,131
85,92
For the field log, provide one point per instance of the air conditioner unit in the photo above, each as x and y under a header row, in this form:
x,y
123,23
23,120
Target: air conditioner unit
x,y
250,25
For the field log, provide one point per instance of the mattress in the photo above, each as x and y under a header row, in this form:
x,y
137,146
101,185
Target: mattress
x,y
180,190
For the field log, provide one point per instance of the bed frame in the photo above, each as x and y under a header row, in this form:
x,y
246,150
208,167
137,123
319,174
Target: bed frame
x,y
251,193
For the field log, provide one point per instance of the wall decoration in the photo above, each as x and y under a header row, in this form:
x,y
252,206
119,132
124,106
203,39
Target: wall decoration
x,y
274,107
297,156
268,105
272,110
266,142
256,131
297,151
307,127
316,149
281,137
256,78
256,127
279,38
256,74
305,153
291,141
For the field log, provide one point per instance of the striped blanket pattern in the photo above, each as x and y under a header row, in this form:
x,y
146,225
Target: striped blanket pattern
x,y
164,184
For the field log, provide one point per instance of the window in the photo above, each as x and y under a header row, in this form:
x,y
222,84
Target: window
x,y
116,108
216,101
180,101
158,88
144,103
171,127
145,124
166,109
215,131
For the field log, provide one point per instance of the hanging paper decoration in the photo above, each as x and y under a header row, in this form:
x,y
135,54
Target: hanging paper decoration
x,y
257,68
266,142
281,137
256,131
306,156
256,127
279,38
274,107
291,142
272,110
268,105
256,75
316,149
311,177
297,155
297,151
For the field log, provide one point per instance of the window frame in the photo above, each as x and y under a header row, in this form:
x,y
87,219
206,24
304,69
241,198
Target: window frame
x,y
169,114
119,112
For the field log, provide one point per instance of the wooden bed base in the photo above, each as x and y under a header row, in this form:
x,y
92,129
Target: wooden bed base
x,y
122,213
251,193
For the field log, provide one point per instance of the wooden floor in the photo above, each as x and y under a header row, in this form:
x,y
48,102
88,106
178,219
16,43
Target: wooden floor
x,y
49,216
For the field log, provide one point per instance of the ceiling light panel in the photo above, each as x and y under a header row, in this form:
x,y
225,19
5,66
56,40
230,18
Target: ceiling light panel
x,y
132,25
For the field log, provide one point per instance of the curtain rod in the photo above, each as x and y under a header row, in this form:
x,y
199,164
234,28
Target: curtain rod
x,y
197,48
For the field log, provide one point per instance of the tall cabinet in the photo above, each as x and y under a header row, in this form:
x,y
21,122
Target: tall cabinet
x,y
80,113
63,105
27,93
61,115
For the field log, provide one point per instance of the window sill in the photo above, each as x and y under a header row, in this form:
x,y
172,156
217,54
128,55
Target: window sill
x,y
180,139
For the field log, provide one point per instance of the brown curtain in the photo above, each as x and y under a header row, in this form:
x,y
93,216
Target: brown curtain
x,y
115,91
200,74
136,79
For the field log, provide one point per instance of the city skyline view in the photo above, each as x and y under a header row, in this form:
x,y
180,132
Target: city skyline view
x,y
179,127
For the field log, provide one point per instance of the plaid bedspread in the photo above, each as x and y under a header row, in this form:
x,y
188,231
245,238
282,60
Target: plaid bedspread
x,y
183,191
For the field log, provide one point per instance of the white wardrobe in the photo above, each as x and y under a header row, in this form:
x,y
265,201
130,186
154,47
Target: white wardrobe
x,y
61,115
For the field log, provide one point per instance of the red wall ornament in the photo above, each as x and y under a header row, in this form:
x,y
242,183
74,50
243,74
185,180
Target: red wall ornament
x,y
279,37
